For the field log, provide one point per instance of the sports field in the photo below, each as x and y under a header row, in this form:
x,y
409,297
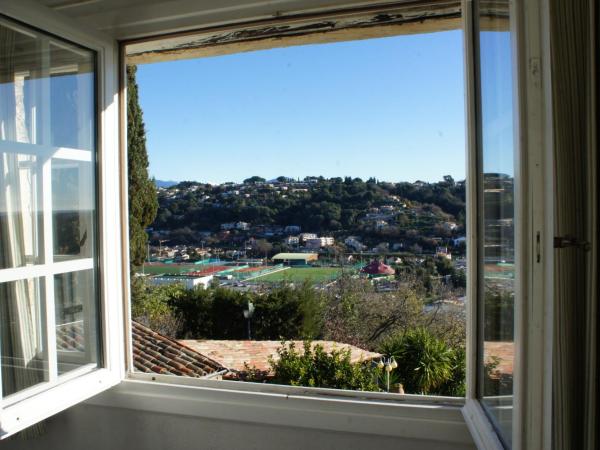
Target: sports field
x,y
157,269
294,274
499,271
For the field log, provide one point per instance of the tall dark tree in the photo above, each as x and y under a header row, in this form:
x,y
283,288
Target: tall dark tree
x,y
143,203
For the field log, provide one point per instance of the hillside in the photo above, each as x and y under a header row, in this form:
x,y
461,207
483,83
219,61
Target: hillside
x,y
372,210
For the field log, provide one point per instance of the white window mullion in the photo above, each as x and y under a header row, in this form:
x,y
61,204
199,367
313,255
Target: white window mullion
x,y
44,100
49,278
46,151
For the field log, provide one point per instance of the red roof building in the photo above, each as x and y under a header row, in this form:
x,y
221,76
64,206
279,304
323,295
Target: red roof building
x,y
377,267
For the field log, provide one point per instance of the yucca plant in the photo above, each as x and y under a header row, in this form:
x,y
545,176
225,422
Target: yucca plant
x,y
425,363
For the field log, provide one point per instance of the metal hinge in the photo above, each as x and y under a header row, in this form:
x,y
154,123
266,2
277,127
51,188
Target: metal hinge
x,y
570,241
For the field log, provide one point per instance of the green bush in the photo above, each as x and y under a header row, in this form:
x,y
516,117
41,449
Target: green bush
x,y
456,386
314,367
217,313
426,365
150,305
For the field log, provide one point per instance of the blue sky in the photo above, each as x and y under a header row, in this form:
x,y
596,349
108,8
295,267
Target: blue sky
x,y
497,104
389,108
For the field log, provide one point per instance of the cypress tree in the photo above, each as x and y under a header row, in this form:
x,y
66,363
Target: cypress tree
x,y
143,203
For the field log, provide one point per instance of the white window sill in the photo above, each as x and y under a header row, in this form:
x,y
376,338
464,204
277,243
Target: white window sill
x,y
405,419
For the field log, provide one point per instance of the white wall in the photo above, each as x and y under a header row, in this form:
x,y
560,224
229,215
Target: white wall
x,y
89,427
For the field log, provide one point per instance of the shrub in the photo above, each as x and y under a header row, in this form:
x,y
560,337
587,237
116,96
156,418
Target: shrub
x,y
456,385
150,306
316,368
217,313
425,364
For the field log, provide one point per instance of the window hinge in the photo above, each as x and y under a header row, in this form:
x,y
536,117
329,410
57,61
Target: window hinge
x,y
570,241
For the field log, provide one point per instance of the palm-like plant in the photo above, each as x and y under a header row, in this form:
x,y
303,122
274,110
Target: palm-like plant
x,y
425,363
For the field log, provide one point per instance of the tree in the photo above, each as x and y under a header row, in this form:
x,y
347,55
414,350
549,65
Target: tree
x,y
449,180
143,203
150,306
253,180
263,247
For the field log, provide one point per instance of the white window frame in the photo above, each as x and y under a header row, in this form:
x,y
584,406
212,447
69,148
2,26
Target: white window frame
x,y
533,173
532,377
41,401
408,416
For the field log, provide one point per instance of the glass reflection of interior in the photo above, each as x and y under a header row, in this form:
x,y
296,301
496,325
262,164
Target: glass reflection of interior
x,y
47,206
76,332
497,217
22,335
73,209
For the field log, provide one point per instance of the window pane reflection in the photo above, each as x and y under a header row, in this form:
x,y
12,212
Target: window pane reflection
x,y
76,320
20,210
47,207
498,214
73,209
22,336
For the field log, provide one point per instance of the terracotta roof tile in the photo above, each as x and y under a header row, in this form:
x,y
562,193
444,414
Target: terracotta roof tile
x,y
69,337
504,352
153,352
233,354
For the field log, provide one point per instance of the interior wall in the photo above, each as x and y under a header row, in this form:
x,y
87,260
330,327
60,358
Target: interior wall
x,y
91,427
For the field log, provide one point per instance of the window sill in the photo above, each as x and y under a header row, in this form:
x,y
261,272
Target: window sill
x,y
407,419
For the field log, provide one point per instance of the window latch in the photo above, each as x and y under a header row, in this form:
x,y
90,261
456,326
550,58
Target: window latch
x,y
570,241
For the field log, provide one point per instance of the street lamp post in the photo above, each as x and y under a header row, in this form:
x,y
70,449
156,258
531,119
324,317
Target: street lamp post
x,y
388,364
248,313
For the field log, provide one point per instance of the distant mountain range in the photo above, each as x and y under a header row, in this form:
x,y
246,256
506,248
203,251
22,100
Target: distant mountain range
x,y
165,183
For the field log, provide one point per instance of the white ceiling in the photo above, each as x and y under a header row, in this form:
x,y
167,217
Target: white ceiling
x,y
129,19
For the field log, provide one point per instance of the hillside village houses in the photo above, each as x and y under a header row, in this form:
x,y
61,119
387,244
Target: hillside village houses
x,y
442,252
292,240
306,236
319,242
292,229
396,215
242,226
354,243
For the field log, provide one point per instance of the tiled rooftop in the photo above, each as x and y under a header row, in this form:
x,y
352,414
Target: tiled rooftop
x,y
504,351
155,353
233,354
69,337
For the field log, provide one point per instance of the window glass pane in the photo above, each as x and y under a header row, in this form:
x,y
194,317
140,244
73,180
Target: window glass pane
x,y
21,233
71,97
498,214
47,207
76,319
73,209
22,335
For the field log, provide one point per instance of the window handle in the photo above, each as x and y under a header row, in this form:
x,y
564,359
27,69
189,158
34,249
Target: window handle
x,y
570,241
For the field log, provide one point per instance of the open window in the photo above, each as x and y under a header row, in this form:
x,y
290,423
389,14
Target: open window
x,y
320,197
63,245
55,342
493,220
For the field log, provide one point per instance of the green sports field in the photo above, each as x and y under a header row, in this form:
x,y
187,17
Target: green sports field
x,y
157,269
314,274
